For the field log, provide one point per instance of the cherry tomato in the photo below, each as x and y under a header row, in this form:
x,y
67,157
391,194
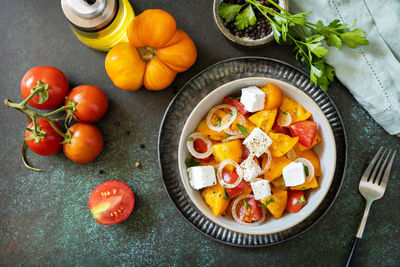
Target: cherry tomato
x,y
296,201
50,144
86,143
111,202
236,103
305,130
250,212
55,78
273,96
92,103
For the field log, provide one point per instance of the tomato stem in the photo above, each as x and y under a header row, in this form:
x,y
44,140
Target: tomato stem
x,y
32,116
147,53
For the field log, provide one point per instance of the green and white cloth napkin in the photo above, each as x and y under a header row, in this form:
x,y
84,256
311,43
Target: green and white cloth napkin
x,y
371,73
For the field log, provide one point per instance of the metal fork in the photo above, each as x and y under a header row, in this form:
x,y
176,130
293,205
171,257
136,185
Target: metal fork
x,y
372,187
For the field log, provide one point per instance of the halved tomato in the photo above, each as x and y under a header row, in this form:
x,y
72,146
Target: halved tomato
x,y
111,202
305,130
250,211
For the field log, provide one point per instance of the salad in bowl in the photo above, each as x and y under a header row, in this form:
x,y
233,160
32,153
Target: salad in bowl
x,y
253,159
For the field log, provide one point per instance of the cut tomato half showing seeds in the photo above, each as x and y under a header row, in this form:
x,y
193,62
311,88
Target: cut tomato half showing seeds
x,y
111,202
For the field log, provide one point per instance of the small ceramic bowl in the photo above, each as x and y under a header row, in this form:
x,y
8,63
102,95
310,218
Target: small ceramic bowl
x,y
245,43
326,152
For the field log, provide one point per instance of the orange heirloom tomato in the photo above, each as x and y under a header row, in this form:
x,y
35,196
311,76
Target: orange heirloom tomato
x,y
273,96
156,52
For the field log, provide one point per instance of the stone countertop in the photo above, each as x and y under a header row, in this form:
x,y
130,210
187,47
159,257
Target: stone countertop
x,y
44,218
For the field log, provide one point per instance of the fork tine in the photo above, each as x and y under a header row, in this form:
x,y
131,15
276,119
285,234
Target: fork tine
x,y
381,168
372,177
367,172
387,172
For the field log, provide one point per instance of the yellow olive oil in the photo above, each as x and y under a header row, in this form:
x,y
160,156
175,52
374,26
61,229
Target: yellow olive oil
x,y
110,33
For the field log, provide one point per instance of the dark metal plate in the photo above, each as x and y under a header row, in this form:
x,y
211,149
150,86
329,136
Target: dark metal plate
x,y
190,95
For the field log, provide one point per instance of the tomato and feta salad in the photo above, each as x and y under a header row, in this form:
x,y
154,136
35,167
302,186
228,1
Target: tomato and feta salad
x,y
253,155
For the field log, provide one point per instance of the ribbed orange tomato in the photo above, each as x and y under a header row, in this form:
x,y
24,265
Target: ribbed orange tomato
x,y
156,52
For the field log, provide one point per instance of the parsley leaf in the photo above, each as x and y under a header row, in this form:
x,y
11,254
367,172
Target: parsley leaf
x,y
267,201
303,188
235,97
190,139
354,38
301,201
245,204
306,171
191,162
218,124
226,136
283,112
226,196
228,11
242,129
245,18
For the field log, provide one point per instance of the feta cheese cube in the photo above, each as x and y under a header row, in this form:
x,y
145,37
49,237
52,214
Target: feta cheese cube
x,y
293,174
261,189
250,169
253,99
202,176
257,142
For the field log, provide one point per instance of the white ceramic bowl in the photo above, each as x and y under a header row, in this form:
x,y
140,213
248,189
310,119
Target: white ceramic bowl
x,y
326,152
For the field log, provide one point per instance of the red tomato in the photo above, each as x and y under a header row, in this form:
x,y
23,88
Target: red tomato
x,y
58,86
296,201
233,192
200,146
92,103
236,103
50,144
229,177
305,130
86,143
111,202
252,213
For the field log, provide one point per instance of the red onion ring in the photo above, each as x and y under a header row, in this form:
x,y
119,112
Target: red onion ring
x,y
234,213
284,120
242,121
193,151
239,171
310,168
268,162
232,117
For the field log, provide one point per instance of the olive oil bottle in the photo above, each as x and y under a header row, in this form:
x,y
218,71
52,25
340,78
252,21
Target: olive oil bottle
x,y
99,24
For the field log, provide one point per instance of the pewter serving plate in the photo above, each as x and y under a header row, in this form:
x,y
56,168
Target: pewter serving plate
x,y
191,205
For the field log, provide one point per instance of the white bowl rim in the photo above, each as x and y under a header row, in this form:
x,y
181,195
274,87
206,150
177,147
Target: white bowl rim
x,y
182,167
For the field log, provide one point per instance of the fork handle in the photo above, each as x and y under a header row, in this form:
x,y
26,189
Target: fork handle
x,y
351,261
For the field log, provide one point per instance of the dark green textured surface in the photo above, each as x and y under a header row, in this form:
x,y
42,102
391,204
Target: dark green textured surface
x,y
44,219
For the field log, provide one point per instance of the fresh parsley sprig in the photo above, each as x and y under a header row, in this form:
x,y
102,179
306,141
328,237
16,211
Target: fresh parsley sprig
x,y
294,29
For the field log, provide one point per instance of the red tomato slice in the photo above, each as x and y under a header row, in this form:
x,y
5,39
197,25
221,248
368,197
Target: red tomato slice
x,y
230,178
200,146
111,202
305,130
236,103
252,213
296,201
